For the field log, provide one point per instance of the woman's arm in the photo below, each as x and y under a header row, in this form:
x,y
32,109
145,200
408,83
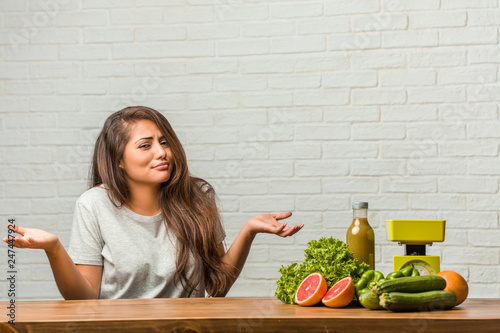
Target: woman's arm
x,y
237,254
73,281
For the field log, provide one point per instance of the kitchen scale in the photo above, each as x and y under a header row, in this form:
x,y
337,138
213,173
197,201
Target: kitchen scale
x,y
415,235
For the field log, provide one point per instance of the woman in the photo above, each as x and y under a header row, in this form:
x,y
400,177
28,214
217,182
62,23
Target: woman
x,y
146,228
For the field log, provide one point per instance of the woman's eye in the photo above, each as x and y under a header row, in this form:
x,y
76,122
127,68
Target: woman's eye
x,y
164,143
144,146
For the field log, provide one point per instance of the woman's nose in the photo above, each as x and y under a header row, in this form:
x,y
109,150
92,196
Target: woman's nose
x,y
160,151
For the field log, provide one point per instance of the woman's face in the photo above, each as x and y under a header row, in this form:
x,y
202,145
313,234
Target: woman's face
x,y
147,159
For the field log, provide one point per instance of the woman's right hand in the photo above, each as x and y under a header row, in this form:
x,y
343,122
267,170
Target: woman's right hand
x,y
31,238
73,281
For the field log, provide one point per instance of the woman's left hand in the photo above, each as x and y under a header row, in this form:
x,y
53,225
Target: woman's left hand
x,y
269,223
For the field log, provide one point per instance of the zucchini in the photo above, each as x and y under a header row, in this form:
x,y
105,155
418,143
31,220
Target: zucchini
x,y
369,300
411,284
423,301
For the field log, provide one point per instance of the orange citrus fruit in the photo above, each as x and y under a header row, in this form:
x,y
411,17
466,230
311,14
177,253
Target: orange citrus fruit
x,y
311,290
341,294
456,284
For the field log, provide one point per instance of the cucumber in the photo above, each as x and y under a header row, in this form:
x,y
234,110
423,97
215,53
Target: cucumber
x,y
411,284
423,301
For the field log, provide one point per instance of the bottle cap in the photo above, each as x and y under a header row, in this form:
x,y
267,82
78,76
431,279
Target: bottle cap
x,y
360,205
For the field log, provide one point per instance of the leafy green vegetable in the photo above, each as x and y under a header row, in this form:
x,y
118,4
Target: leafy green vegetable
x,y
331,257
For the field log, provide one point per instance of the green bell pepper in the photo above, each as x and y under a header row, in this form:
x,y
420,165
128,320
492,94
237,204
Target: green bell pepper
x,y
394,275
406,271
367,281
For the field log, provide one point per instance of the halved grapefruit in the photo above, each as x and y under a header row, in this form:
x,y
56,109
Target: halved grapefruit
x,y
341,294
311,290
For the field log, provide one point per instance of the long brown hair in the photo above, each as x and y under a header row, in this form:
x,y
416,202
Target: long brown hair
x,y
188,204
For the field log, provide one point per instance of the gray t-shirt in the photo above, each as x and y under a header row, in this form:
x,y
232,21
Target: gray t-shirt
x,y
136,252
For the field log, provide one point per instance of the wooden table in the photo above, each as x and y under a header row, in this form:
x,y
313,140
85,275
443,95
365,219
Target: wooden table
x,y
240,315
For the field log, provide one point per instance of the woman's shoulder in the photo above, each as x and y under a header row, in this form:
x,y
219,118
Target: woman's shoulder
x,y
93,195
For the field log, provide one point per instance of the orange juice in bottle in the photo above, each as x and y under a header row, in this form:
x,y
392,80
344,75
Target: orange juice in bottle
x,y
360,235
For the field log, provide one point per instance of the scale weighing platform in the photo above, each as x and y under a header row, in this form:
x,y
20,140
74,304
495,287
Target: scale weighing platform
x,y
415,235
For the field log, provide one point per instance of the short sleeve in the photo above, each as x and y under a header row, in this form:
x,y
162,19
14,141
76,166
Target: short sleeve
x,y
86,242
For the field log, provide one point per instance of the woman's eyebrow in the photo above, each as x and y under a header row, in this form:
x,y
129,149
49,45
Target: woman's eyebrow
x,y
148,138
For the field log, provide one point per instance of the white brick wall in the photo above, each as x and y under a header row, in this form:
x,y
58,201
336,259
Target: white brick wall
x,y
283,105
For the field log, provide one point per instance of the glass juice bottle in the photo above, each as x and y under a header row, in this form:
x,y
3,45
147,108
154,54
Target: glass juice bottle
x,y
360,236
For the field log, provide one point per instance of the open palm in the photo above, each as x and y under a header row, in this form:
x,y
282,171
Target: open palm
x,y
32,238
269,223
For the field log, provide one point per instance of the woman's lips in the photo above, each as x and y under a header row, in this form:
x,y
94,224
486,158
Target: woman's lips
x,y
161,166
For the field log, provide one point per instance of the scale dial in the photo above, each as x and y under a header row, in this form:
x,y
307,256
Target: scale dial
x,y
423,267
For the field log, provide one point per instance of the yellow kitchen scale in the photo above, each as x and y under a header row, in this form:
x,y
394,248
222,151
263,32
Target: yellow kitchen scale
x,y
415,235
